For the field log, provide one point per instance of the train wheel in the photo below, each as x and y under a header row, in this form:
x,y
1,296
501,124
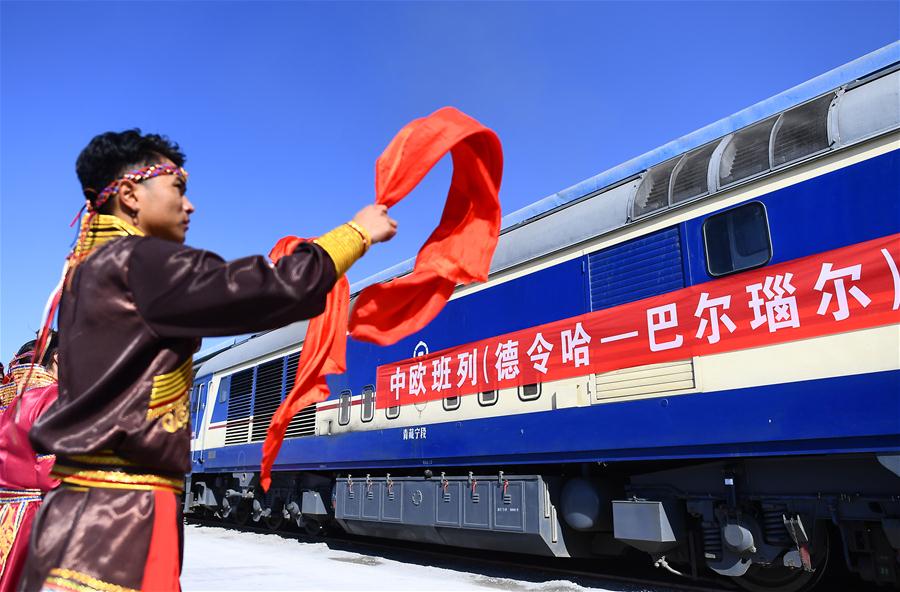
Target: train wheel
x,y
275,520
241,514
786,579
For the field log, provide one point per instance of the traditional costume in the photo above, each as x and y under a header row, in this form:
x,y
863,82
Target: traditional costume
x,y
131,313
24,475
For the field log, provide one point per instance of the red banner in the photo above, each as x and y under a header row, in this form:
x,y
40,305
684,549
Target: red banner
x,y
851,288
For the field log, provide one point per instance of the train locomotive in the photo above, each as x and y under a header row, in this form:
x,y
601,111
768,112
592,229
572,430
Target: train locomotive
x,y
694,355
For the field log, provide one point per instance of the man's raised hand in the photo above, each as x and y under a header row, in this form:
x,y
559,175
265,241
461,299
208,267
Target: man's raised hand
x,y
375,220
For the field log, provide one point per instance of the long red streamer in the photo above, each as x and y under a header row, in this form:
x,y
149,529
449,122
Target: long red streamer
x,y
459,251
163,567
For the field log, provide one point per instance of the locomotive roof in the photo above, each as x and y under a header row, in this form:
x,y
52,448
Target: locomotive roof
x,y
532,232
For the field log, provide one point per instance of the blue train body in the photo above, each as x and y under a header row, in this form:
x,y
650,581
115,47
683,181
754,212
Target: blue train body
x,y
720,449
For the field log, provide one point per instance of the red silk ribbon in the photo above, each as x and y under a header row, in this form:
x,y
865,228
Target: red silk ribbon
x,y
459,251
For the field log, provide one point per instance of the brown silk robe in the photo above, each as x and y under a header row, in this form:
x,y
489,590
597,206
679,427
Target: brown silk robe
x,y
128,324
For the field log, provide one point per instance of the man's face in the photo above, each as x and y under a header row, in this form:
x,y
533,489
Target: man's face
x,y
165,211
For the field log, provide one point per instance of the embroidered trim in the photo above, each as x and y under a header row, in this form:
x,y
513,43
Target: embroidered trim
x,y
39,374
101,479
344,245
7,394
39,378
20,500
169,398
14,496
367,240
69,580
168,387
103,458
11,518
98,230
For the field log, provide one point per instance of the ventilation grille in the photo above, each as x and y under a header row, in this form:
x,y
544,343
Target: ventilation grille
x,y
802,131
304,423
267,398
637,269
691,180
292,361
239,398
747,153
652,379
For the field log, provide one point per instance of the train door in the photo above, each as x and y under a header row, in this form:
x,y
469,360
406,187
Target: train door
x,y
199,393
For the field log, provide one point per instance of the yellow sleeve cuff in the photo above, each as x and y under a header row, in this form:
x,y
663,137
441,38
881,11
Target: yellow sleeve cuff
x,y
344,245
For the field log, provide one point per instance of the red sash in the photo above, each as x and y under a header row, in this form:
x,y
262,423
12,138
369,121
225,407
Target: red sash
x,y
459,251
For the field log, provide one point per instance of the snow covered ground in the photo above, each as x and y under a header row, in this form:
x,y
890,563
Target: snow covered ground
x,y
226,560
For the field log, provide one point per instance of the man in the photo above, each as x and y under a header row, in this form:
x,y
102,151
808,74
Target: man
x,y
134,304
24,476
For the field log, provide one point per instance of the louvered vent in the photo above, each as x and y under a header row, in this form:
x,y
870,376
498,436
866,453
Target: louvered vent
x,y
304,423
238,426
669,378
802,131
637,269
653,194
267,397
747,153
691,179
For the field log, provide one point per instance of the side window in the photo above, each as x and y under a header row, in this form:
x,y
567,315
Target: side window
x,y
530,392
737,240
451,403
487,398
344,409
368,403
223,389
392,412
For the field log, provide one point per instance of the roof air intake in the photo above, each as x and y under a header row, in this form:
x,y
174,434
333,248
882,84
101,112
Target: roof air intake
x,y
653,194
691,175
747,153
802,131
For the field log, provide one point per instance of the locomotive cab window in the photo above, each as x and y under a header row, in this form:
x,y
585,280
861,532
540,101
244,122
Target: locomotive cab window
x,y
530,392
344,409
737,240
368,403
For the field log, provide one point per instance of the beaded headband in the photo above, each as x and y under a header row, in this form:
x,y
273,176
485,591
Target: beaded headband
x,y
136,176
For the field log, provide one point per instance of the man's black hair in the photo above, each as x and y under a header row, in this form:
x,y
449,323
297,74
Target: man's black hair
x,y
112,154
28,347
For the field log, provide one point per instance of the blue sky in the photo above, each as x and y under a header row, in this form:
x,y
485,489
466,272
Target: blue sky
x,y
283,107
